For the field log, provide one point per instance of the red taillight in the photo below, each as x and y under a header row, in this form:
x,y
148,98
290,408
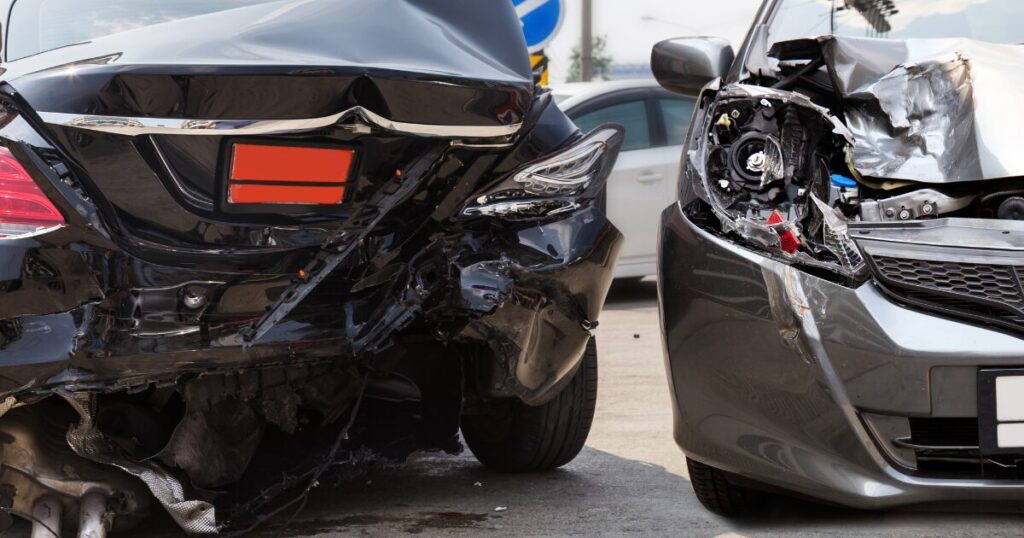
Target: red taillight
x,y
274,174
24,209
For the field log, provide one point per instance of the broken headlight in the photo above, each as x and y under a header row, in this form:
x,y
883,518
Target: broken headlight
x,y
557,183
774,167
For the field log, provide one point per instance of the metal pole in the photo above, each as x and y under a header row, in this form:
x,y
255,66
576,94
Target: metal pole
x,y
587,46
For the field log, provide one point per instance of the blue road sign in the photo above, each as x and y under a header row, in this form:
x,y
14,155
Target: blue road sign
x,y
541,20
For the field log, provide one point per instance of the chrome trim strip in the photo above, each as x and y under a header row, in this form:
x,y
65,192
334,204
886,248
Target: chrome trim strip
x,y
135,126
906,442
197,200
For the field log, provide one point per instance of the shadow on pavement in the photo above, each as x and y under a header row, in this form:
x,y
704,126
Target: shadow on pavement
x,y
435,494
784,516
627,293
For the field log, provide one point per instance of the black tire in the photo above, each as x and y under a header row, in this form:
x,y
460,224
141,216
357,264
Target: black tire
x,y
718,494
518,438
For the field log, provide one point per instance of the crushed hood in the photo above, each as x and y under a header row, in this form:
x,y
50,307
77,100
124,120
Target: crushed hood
x,y
419,61
927,110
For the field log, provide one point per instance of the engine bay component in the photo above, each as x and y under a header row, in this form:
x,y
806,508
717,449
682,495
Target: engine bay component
x,y
788,159
1011,208
923,110
917,204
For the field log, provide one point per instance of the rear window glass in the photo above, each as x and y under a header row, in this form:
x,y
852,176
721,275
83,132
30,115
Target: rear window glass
x,y
39,25
676,113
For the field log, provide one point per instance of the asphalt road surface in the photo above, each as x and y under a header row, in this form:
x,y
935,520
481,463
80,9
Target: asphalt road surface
x,y
629,480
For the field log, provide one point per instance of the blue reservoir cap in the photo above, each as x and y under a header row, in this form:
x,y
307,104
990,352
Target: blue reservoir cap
x,y
840,180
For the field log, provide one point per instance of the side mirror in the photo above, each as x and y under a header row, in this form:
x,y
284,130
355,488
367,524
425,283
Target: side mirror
x,y
685,64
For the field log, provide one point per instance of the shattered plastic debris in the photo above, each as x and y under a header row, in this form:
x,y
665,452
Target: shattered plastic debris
x,y
500,508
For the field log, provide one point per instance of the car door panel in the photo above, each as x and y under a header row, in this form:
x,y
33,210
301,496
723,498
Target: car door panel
x,y
643,181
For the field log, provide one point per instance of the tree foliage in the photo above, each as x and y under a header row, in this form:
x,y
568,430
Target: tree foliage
x,y
600,63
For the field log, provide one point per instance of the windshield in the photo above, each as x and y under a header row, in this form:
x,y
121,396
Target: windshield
x,y
40,25
997,21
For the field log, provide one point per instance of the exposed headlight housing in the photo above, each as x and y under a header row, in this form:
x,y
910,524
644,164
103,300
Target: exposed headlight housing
x,y
765,160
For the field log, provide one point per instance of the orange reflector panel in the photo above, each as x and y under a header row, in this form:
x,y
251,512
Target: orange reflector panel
x,y
248,193
291,164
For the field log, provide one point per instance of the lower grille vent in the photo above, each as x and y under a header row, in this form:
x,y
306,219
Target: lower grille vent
x,y
948,448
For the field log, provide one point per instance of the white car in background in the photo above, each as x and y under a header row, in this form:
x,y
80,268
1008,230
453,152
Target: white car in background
x,y
643,182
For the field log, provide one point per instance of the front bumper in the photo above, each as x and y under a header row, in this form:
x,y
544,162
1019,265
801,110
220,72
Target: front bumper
x,y
780,376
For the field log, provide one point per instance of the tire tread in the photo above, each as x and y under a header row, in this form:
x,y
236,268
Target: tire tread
x,y
547,436
716,493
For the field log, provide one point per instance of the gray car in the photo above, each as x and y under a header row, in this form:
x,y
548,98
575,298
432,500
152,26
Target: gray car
x,y
841,276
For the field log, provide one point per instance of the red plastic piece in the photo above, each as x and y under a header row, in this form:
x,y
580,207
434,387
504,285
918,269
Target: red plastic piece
x,y
788,240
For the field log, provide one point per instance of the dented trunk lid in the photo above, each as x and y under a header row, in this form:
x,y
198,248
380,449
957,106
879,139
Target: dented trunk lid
x,y
151,117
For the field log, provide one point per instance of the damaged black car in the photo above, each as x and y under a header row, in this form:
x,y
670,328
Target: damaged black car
x,y
248,247
851,203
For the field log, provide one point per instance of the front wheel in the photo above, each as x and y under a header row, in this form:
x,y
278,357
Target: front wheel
x,y
515,437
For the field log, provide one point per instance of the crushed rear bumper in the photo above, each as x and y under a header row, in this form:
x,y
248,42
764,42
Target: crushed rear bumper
x,y
531,297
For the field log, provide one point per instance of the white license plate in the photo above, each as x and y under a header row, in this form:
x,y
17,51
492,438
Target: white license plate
x,y
1010,411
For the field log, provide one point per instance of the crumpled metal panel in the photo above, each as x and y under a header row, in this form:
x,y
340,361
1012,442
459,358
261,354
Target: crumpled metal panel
x,y
193,516
931,110
452,62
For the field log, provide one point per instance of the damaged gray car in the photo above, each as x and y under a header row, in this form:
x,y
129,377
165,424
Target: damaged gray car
x,y
841,289
251,247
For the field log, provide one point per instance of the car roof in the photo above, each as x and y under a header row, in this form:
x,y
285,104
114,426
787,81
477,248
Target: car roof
x,y
572,94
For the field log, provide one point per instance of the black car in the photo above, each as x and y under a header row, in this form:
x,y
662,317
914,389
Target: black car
x,y
248,246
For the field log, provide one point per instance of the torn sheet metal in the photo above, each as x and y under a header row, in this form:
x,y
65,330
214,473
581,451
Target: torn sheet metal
x,y
930,110
193,516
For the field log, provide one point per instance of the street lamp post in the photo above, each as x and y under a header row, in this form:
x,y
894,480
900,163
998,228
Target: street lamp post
x,y
587,47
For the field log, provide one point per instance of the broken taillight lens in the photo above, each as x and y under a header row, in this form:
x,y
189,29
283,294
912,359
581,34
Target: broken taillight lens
x,y
24,209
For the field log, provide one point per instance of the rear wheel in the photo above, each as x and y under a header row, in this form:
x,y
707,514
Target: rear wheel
x,y
515,437
717,493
